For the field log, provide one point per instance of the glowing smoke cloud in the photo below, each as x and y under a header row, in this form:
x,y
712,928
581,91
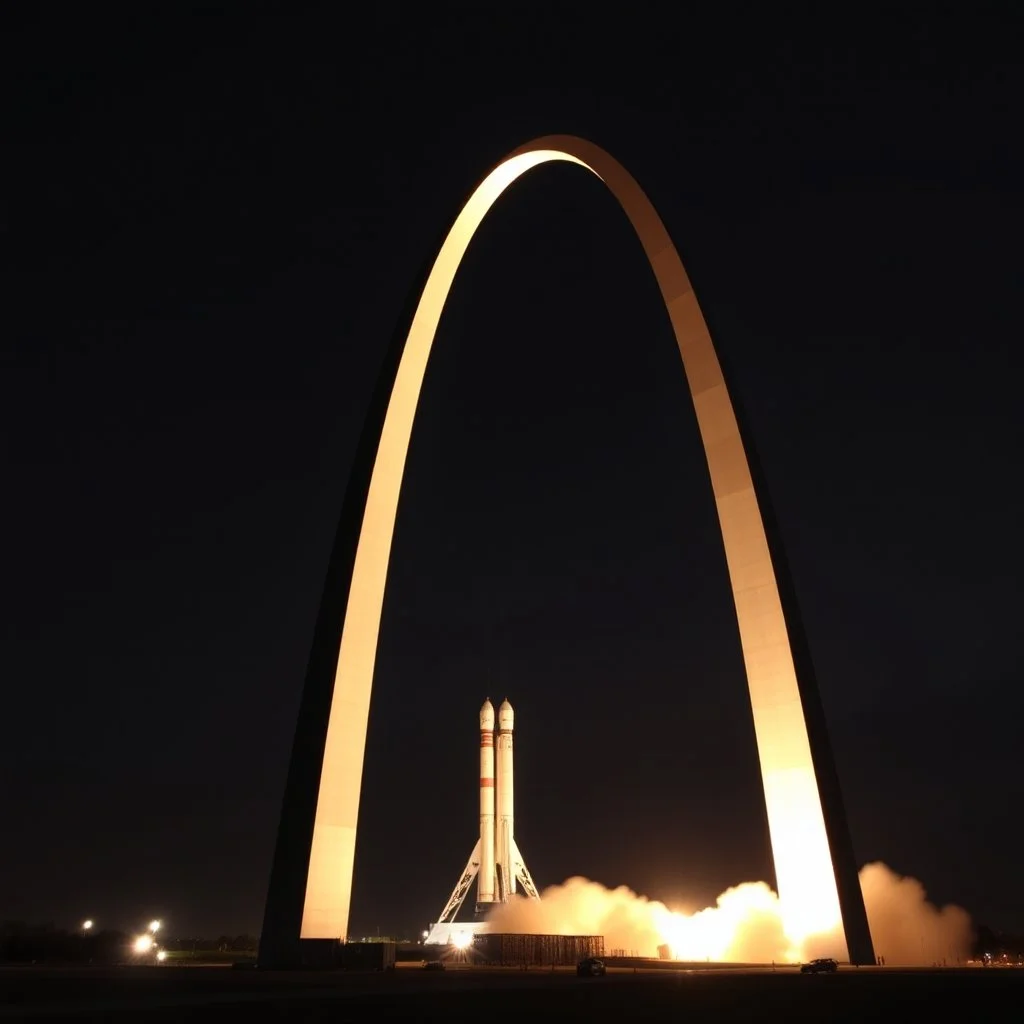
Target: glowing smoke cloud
x,y
745,925
909,929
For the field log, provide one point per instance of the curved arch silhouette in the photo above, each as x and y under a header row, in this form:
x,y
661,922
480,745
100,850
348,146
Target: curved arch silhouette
x,y
311,878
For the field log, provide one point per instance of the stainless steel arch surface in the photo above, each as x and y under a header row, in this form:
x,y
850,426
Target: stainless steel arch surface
x,y
313,865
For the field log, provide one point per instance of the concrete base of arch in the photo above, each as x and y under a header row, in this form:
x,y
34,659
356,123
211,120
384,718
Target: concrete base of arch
x,y
311,877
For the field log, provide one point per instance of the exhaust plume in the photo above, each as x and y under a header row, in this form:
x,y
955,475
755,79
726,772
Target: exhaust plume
x,y
906,928
745,925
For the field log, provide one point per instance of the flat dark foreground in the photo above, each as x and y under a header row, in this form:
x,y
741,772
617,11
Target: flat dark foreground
x,y
218,994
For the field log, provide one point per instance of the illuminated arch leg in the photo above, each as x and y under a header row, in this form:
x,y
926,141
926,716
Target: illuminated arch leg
x,y
311,878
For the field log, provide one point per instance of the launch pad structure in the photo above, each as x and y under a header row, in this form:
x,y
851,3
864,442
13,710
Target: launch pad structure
x,y
495,863
310,889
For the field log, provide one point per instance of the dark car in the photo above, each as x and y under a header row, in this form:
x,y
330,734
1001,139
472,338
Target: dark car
x,y
433,965
591,968
823,965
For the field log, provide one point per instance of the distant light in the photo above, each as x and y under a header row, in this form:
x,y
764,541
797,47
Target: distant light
x,y
162,955
86,925
463,940
154,926
425,934
143,944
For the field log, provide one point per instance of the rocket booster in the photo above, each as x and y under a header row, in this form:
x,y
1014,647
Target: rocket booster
x,y
485,879
496,862
505,830
496,880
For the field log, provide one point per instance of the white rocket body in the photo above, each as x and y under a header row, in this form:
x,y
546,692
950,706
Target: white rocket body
x,y
485,878
505,832
496,862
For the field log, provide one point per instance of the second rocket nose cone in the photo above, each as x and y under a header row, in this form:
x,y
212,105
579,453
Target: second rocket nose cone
x,y
506,716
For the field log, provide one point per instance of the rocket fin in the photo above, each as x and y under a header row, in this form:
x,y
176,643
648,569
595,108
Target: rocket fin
x,y
522,873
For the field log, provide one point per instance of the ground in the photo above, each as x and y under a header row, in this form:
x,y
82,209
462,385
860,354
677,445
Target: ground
x,y
201,994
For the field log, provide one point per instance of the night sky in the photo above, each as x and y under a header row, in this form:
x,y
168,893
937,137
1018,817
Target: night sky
x,y
211,224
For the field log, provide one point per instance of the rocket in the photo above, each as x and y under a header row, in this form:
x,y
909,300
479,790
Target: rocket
x,y
496,862
486,875
504,842
501,865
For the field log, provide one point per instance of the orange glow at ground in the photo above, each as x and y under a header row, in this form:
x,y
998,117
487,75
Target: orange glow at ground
x,y
745,916
747,924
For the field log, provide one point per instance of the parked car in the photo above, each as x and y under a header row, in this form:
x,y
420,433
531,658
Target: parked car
x,y
591,968
434,965
823,965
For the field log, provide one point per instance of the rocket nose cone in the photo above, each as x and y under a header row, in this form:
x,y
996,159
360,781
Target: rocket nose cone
x,y
487,715
506,716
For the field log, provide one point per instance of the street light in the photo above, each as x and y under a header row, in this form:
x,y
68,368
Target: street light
x,y
154,926
87,925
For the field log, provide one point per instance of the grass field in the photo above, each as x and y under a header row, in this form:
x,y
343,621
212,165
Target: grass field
x,y
224,995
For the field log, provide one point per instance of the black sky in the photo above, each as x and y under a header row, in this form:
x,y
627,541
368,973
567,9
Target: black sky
x,y
211,224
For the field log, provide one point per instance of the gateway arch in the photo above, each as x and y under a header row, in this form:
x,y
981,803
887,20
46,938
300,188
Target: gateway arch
x,y
311,877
